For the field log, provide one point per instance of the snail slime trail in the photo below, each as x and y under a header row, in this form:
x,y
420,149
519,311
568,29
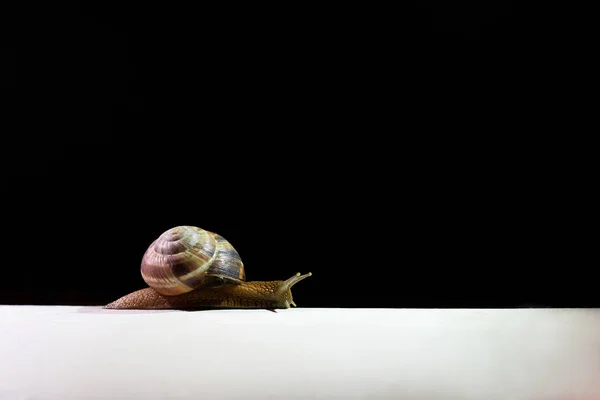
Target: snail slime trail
x,y
190,268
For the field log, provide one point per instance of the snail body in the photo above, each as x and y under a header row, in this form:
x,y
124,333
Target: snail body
x,y
190,268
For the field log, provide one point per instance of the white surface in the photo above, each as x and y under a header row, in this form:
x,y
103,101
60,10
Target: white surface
x,y
91,353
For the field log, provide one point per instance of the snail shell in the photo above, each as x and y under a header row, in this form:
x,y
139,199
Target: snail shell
x,y
185,258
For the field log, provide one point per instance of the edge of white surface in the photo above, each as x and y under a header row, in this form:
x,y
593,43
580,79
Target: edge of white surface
x,y
68,352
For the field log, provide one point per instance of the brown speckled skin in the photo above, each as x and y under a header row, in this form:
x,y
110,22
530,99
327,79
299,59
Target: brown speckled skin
x,y
256,294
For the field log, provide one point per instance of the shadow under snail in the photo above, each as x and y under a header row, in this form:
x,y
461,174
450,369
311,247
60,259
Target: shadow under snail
x,y
190,268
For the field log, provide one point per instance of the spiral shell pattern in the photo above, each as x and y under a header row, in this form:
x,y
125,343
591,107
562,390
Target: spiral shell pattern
x,y
185,258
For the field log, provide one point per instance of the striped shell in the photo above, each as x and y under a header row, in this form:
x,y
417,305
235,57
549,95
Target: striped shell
x,y
185,258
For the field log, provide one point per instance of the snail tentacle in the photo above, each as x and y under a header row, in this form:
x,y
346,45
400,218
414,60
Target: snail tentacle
x,y
287,284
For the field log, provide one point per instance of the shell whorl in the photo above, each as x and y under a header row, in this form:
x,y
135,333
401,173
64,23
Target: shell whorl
x,y
185,258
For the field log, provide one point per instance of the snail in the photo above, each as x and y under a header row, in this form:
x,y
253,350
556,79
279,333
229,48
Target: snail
x,y
187,267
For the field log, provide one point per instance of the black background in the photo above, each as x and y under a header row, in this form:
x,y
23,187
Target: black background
x,y
404,156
